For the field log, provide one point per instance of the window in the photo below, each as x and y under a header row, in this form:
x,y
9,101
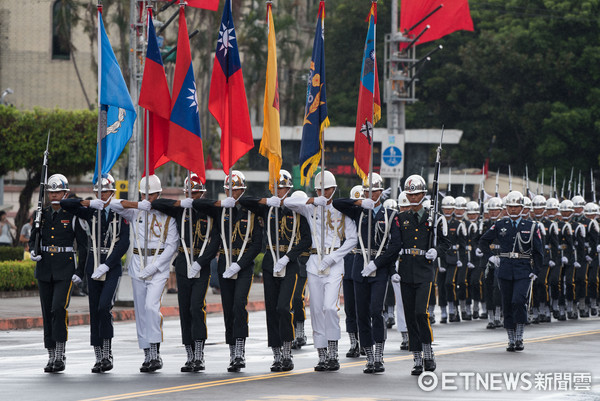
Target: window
x,y
61,30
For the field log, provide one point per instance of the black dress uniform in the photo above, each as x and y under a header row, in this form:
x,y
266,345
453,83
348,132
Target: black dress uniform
x,y
370,291
557,279
449,259
581,274
520,255
475,276
59,232
101,293
463,271
350,304
234,291
491,290
191,294
417,275
592,278
279,289
551,256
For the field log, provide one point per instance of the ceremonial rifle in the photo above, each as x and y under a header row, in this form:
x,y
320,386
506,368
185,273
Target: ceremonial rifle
x,y
37,223
434,197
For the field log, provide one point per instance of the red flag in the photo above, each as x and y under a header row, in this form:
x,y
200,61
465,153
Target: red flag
x,y
212,5
227,99
156,99
453,16
185,138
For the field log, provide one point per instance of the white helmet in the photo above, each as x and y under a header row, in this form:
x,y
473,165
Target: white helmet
x,y
197,185
578,201
390,204
403,200
376,181
299,194
357,192
415,184
327,182
514,198
448,202
154,185
460,203
285,179
108,183
504,202
238,180
57,183
552,203
526,202
565,206
538,202
486,208
495,203
472,207
591,208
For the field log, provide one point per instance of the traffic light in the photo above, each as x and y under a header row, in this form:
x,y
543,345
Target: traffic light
x,y
122,189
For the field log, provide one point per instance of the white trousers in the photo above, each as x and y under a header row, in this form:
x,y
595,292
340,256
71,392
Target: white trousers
x,y
147,296
400,318
324,306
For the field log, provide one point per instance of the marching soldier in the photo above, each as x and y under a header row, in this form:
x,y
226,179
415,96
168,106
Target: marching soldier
x,y
590,234
192,272
235,274
280,266
518,265
473,261
103,269
56,269
565,252
462,268
371,271
591,212
416,273
577,259
149,265
325,266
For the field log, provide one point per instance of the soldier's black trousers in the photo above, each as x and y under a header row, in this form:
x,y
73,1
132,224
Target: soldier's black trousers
x,y
370,297
593,281
581,277
234,297
514,301
569,277
279,292
350,305
492,291
462,282
540,287
191,295
555,281
55,297
101,298
476,284
298,302
415,297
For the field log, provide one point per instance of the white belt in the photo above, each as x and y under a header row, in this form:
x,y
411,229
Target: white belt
x,y
56,249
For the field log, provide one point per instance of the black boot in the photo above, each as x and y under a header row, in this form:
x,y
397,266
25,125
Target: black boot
x,y
107,359
59,360
199,355
97,368
49,368
146,363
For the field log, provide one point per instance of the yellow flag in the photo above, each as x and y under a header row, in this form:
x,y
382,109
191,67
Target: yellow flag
x,y
270,144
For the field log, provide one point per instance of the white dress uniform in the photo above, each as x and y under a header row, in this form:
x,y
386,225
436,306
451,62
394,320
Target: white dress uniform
x,y
324,289
163,239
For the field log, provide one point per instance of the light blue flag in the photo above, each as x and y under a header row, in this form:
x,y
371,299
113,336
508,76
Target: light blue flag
x,y
113,94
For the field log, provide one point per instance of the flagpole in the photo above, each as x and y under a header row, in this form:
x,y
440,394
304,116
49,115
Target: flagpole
x,y
101,130
370,176
323,159
191,230
146,160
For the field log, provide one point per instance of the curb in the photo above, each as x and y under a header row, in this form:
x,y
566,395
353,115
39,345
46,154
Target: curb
x,y
78,319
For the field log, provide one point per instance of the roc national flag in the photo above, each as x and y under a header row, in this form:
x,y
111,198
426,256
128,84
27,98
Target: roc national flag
x,y
315,111
156,99
270,145
114,98
369,103
227,99
185,139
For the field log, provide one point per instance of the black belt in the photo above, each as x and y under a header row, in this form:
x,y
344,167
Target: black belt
x,y
103,251
313,251
514,255
57,249
234,252
150,252
196,250
414,252
282,248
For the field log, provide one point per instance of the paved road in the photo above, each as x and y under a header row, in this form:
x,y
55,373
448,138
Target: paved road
x,y
462,349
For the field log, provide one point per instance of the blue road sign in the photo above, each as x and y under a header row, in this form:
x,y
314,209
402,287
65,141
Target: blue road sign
x,y
392,156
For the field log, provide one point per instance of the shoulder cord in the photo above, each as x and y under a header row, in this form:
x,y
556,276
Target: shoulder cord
x,y
581,229
182,236
111,229
249,227
292,239
386,232
160,241
224,241
519,240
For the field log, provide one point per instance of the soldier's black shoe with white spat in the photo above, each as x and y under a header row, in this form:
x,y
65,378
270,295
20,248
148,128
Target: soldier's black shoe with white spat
x,y
510,347
97,368
233,368
287,364
106,364
429,365
49,368
416,370
239,362
483,315
466,316
444,320
498,323
321,366
199,365
333,364
404,345
145,367
276,366
155,364
476,315
519,345
378,367
188,367
490,325
59,365
353,352
369,368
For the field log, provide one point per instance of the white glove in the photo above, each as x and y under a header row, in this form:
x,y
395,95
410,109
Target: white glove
x,y
577,265
368,204
470,265
144,205
231,270
565,260
148,271
325,263
588,258
100,270
228,202
598,248
395,278
442,269
478,252
320,201
274,201
431,254
281,263
532,276
194,270
75,279
551,263
97,204
458,264
186,203
34,257
370,268
495,260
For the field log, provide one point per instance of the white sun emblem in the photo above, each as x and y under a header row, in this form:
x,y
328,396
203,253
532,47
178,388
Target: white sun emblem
x,y
225,38
193,97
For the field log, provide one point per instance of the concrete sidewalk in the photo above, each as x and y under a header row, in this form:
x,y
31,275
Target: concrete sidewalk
x,y
26,313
